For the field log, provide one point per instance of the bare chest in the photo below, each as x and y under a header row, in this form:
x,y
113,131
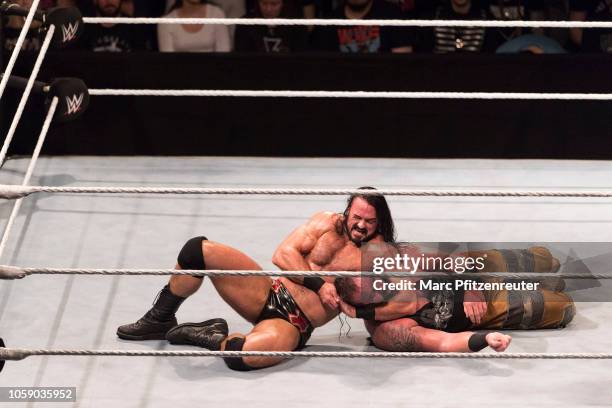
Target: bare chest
x,y
334,252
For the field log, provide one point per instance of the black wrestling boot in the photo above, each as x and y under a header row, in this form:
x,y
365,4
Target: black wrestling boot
x,y
208,334
156,322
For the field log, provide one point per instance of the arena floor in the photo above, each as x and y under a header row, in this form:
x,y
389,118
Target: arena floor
x,y
147,231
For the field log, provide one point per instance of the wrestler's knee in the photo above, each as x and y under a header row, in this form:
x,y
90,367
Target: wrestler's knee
x,y
236,342
255,363
191,255
266,341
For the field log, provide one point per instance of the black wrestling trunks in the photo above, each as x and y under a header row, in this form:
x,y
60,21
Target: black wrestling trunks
x,y
443,312
281,305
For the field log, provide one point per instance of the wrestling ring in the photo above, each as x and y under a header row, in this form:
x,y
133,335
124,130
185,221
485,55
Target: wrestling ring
x,y
78,213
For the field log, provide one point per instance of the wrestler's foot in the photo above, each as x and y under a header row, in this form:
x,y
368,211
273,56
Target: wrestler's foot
x,y
146,328
156,322
209,334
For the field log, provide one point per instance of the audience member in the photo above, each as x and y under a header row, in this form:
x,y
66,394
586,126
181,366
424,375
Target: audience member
x,y
88,7
414,8
348,39
12,28
591,39
194,37
512,10
551,10
309,9
364,39
532,44
112,37
271,38
456,39
231,9
304,8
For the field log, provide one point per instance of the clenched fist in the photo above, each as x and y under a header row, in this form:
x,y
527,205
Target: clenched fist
x,y
498,341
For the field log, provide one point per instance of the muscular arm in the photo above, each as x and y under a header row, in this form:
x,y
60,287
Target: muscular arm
x,y
420,338
291,253
403,303
406,335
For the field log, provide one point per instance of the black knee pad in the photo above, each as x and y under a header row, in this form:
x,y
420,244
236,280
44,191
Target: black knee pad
x,y
236,363
192,256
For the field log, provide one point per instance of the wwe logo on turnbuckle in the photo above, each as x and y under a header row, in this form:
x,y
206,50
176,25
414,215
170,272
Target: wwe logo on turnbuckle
x,y
74,103
69,31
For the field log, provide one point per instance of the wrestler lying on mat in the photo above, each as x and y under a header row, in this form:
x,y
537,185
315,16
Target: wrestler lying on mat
x,y
410,320
284,311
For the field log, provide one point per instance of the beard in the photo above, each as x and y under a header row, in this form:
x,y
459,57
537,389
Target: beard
x,y
358,241
357,7
109,11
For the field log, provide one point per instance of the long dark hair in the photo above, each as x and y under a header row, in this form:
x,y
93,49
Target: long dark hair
x,y
386,227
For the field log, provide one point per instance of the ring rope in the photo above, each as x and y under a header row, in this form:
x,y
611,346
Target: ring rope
x,y
26,93
22,36
550,96
11,191
349,22
20,354
14,272
30,170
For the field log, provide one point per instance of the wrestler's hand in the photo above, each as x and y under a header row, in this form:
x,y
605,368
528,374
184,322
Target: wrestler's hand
x,y
347,309
329,296
474,305
497,341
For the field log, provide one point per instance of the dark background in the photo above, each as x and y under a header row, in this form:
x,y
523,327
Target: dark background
x,y
325,127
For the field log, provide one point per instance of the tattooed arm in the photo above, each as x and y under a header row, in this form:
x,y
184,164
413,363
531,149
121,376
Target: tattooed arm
x,y
406,335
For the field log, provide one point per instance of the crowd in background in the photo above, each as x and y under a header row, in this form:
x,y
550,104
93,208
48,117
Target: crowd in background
x,y
347,39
